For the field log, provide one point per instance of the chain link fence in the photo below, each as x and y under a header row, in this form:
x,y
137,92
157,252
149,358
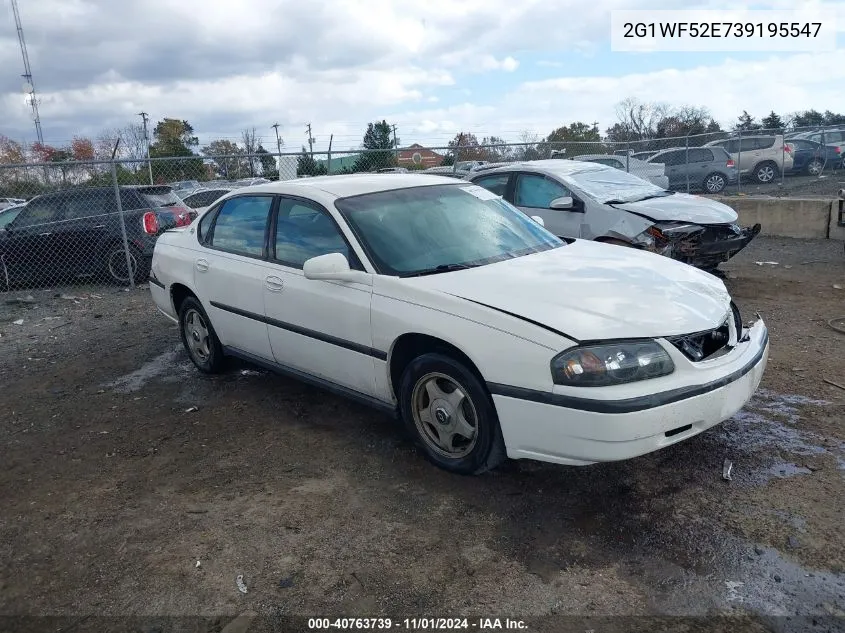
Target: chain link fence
x,y
96,222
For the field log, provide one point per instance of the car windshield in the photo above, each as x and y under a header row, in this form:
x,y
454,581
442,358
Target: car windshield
x,y
160,197
614,185
431,229
6,217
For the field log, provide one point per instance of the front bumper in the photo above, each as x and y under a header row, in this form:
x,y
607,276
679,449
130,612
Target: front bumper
x,y
704,246
579,431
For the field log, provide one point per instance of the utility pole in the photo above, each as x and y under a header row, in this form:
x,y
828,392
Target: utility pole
x,y
275,126
329,161
29,86
395,145
144,116
310,140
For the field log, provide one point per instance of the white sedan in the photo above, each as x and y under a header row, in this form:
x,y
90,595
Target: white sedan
x,y
438,301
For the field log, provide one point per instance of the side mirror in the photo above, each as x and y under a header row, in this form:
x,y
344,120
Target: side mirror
x,y
333,267
538,220
561,204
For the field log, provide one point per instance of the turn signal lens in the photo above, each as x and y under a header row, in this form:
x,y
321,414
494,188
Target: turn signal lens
x,y
611,364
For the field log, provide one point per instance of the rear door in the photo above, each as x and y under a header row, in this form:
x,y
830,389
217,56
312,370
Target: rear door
x,y
88,223
700,162
675,167
229,272
31,248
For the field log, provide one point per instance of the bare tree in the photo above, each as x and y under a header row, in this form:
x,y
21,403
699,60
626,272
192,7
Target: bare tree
x,y
639,119
250,142
133,145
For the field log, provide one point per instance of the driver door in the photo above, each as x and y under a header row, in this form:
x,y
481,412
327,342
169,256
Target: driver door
x,y
533,193
318,327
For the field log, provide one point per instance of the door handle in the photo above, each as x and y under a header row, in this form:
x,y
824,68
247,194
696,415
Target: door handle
x,y
274,284
99,226
43,234
202,265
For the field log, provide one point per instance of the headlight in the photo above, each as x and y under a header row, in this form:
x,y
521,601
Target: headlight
x,y
611,364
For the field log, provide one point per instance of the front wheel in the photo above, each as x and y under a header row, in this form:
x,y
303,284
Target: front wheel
x,y
815,167
450,415
199,338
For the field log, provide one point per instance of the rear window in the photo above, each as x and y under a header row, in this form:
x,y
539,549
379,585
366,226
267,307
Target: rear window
x,y
160,197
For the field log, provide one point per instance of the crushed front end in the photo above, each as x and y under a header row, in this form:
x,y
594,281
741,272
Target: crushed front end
x,y
700,245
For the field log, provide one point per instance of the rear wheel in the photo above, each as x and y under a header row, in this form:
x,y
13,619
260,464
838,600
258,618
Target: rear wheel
x,y
119,271
450,415
714,183
766,172
199,338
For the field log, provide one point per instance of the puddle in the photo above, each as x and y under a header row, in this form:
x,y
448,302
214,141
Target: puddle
x,y
162,364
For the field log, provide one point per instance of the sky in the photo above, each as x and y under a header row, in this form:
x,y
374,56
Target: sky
x,y
433,67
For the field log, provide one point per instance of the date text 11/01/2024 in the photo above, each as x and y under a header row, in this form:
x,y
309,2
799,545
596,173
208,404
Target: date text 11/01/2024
x,y
417,624
721,29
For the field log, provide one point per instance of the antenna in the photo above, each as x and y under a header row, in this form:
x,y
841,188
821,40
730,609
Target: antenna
x,y
29,85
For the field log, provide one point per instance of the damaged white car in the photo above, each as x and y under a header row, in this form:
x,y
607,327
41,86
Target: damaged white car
x,y
597,202
439,302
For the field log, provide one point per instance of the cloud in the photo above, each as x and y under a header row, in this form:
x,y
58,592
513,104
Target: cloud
x,y
433,67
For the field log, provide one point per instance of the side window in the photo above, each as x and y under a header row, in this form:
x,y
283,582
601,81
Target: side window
x,y
669,158
496,183
241,224
304,231
39,212
85,204
765,142
748,144
700,155
537,191
732,146
205,224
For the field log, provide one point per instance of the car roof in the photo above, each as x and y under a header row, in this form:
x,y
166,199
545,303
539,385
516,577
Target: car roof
x,y
346,185
558,166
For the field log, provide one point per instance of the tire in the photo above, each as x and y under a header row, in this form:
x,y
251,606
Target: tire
x,y
114,264
815,167
766,172
458,434
199,338
715,182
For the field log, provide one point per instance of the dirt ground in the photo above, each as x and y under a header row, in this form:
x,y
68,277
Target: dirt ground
x,y
119,499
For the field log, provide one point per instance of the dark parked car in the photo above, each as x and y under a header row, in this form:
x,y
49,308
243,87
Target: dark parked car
x,y
811,157
77,233
709,169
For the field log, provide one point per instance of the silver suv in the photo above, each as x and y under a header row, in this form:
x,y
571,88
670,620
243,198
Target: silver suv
x,y
763,157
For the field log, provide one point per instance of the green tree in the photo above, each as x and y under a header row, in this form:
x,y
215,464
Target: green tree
x,y
268,163
226,157
307,166
772,121
808,118
378,143
831,118
575,139
175,138
746,123
713,126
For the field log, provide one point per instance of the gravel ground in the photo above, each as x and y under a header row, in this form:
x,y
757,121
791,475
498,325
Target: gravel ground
x,y
825,186
120,499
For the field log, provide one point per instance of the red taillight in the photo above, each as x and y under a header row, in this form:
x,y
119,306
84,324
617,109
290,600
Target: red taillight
x,y
787,148
183,215
837,149
150,222
730,163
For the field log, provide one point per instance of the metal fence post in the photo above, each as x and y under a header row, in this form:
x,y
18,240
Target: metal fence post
x,y
782,160
739,163
129,271
686,158
628,155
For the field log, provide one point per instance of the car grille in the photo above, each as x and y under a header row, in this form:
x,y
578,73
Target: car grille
x,y
703,345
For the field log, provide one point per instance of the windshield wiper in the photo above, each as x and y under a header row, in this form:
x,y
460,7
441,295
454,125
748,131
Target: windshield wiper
x,y
442,268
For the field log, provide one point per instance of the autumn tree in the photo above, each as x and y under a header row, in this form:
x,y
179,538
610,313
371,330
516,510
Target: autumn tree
x,y
11,153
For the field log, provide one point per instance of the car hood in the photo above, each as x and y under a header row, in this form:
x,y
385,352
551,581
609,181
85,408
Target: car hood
x,y
682,207
588,290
